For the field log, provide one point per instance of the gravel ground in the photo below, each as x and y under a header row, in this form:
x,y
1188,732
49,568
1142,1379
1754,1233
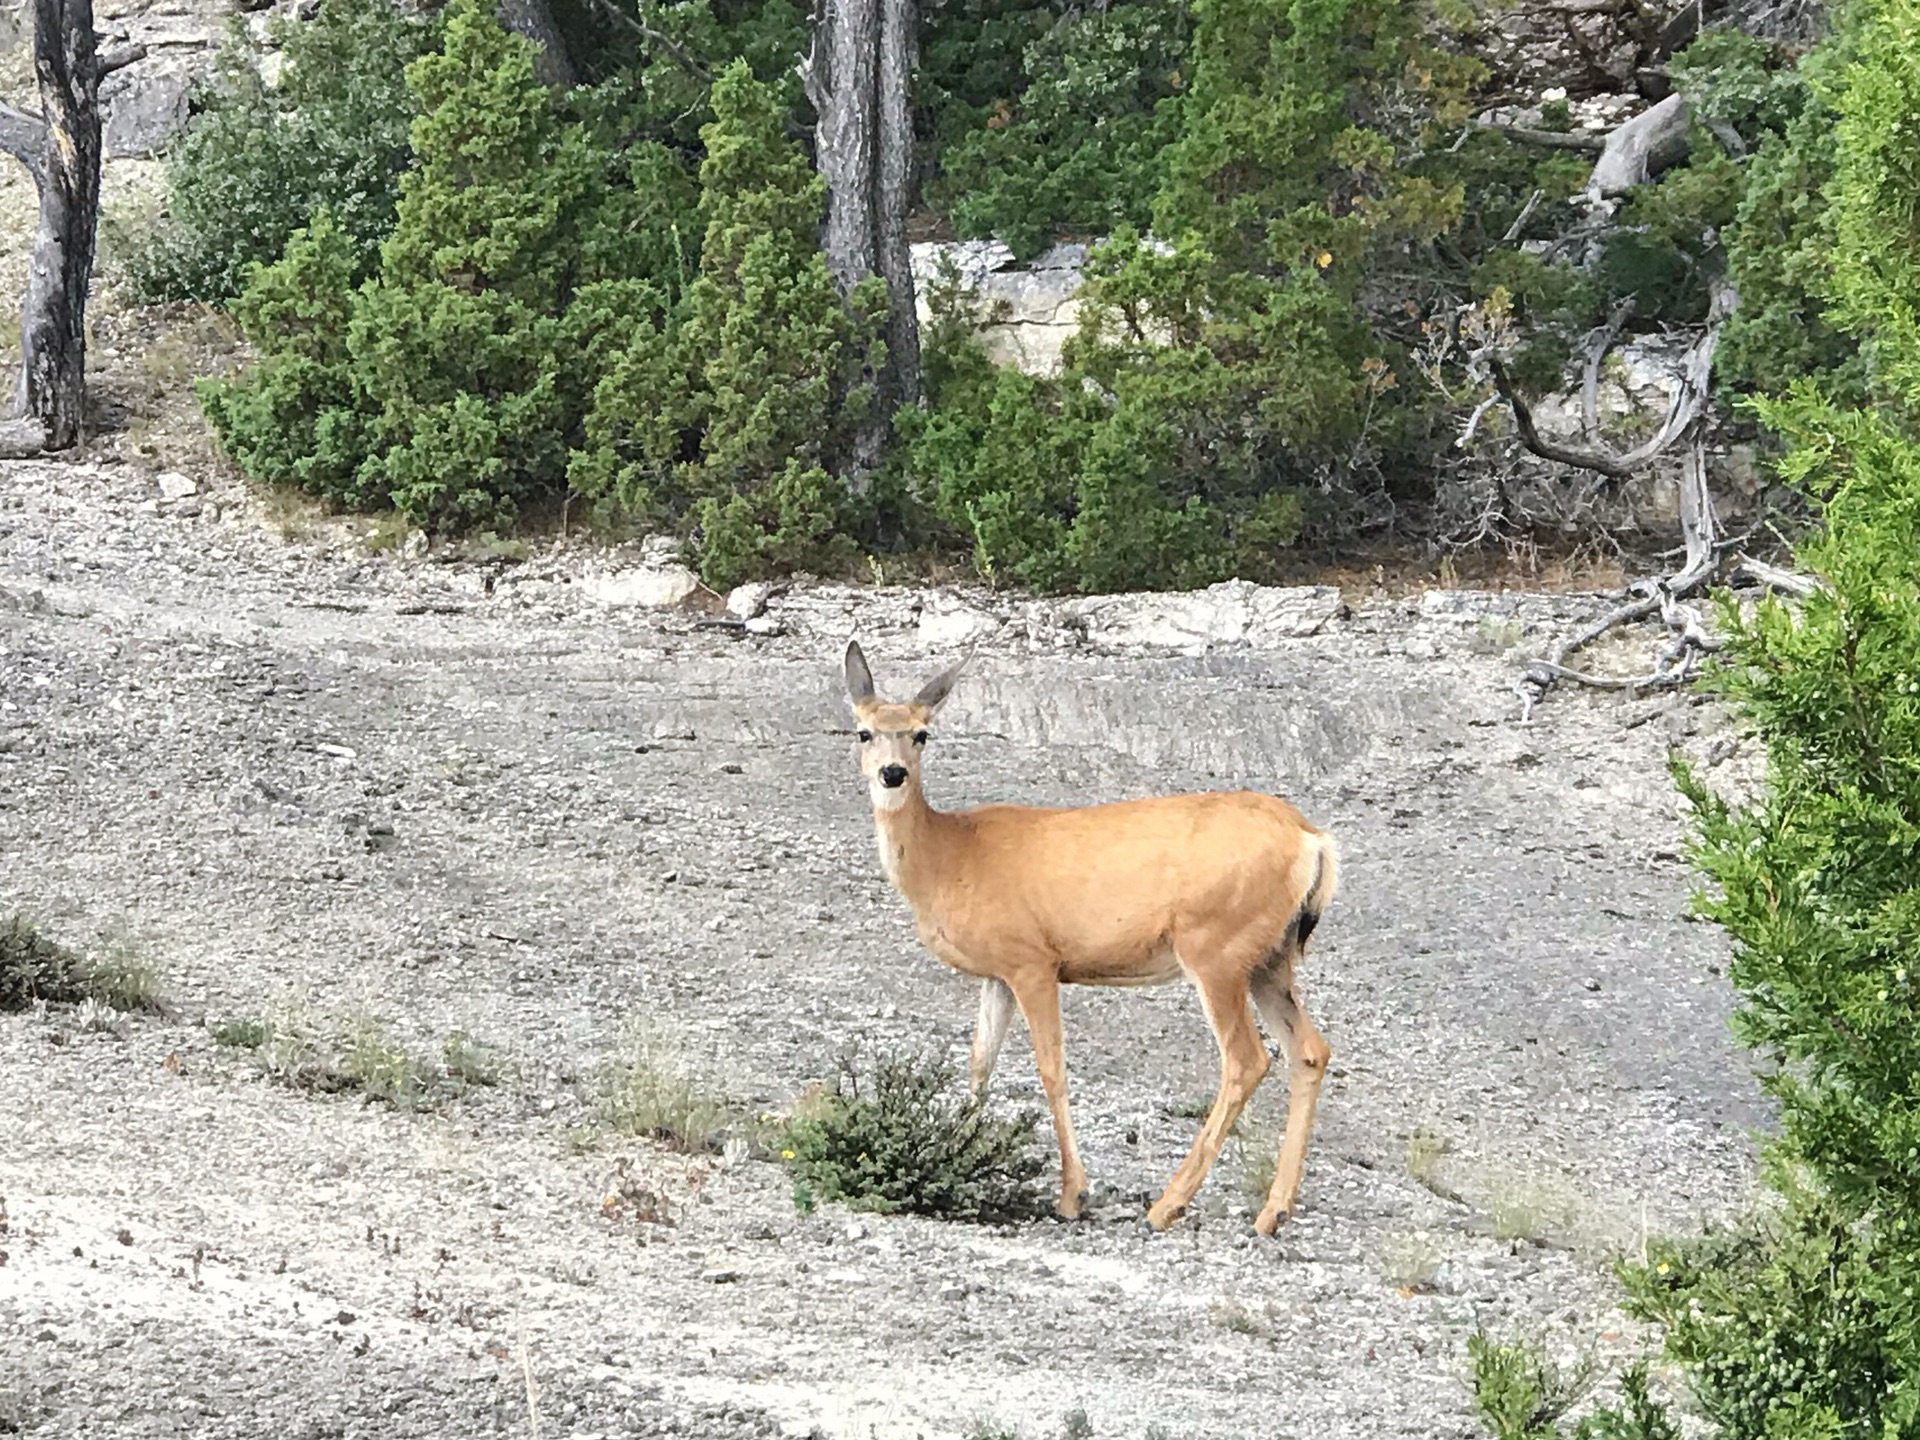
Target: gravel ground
x,y
289,773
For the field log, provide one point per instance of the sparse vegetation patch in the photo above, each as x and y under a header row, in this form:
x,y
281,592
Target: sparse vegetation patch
x,y
357,1053
36,968
647,1091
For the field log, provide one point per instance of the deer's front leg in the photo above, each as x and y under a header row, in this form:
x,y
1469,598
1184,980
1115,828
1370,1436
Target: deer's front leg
x,y
989,1034
1039,1001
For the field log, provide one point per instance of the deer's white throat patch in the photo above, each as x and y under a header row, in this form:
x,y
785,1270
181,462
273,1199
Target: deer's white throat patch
x,y
884,800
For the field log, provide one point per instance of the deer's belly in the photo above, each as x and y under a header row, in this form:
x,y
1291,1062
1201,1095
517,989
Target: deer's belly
x,y
1157,968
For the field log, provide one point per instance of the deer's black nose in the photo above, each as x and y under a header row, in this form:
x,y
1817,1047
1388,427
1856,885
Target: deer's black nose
x,y
893,776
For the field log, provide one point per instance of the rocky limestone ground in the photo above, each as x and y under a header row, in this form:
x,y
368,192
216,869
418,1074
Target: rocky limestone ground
x,y
493,798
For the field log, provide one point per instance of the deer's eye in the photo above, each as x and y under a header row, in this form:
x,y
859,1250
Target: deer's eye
x,y
919,737
865,737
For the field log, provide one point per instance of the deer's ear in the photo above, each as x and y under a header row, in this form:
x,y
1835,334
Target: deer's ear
x,y
859,677
935,691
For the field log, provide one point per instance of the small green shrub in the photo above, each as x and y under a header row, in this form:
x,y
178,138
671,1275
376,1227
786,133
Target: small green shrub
x,y
240,1034
1519,1391
647,1091
257,162
36,968
356,1053
1521,1394
377,1065
1233,1316
467,1062
902,1137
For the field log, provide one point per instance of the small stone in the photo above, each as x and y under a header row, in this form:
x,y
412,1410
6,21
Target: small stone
x,y
1591,984
175,486
953,1292
744,602
414,547
720,1276
659,587
764,625
856,1231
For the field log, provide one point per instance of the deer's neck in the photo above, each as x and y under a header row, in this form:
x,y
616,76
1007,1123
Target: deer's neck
x,y
913,839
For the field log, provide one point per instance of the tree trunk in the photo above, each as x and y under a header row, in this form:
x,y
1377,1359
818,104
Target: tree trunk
x,y
533,20
858,79
893,193
848,119
61,149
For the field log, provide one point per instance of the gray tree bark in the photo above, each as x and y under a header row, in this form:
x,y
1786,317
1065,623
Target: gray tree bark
x,y
61,150
858,78
893,192
533,20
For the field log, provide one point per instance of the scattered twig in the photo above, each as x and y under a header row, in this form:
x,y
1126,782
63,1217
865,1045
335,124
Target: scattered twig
x,y
533,1390
1526,214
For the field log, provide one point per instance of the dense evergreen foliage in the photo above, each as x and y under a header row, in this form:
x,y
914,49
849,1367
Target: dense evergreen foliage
x,y
514,298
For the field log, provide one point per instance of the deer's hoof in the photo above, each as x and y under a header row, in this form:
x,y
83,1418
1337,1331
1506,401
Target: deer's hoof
x,y
1269,1221
1159,1217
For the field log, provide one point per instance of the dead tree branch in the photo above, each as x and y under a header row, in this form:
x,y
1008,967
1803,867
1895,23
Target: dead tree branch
x,y
1772,577
118,58
1687,418
1548,139
1603,342
667,45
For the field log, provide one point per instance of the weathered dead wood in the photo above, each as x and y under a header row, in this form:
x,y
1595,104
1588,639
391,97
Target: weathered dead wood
x,y
1548,139
665,43
60,148
1639,149
22,439
533,20
1772,577
893,193
1686,418
1590,379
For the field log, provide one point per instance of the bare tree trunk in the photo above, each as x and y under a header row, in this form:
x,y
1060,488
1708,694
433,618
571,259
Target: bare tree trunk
x,y
893,193
61,150
848,119
533,20
858,79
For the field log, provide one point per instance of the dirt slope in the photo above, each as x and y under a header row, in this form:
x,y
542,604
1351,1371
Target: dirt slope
x,y
538,819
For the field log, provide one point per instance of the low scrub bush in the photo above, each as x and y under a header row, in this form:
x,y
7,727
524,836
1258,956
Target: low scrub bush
x,y
257,161
1520,1393
36,968
901,1136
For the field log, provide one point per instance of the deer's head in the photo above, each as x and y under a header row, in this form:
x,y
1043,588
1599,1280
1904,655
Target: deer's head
x,y
891,737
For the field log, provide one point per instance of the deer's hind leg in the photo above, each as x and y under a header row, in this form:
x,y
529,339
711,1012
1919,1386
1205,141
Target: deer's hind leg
x,y
1243,1064
1278,996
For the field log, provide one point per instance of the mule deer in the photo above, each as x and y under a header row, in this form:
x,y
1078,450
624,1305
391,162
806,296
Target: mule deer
x,y
1224,888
